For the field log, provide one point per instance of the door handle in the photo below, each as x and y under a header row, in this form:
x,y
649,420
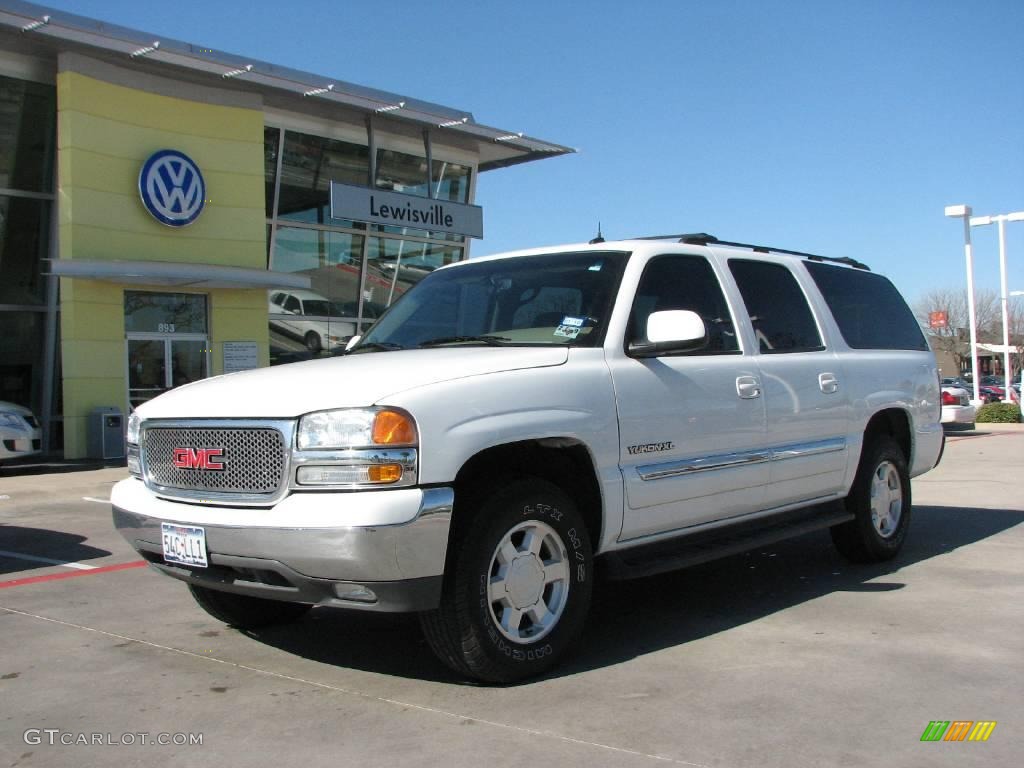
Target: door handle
x,y
748,387
828,383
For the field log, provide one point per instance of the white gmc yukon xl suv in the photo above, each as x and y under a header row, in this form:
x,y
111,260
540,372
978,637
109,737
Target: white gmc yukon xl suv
x,y
517,423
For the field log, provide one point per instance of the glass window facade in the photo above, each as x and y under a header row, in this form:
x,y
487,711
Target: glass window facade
x,y
21,358
28,123
28,126
308,165
24,243
356,271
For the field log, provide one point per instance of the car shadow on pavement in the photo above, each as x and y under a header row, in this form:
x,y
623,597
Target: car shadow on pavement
x,y
44,544
632,618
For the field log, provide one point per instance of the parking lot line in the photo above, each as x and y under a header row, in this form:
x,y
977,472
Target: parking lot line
x,y
47,560
359,694
93,571
94,499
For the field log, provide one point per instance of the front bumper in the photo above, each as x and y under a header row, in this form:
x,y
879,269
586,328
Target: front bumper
x,y
373,550
14,444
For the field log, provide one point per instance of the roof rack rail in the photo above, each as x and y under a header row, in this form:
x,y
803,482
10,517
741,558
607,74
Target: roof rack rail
x,y
693,238
703,238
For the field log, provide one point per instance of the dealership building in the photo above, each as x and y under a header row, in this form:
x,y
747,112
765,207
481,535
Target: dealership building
x,y
170,212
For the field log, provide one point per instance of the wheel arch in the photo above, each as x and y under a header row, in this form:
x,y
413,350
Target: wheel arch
x,y
563,461
895,423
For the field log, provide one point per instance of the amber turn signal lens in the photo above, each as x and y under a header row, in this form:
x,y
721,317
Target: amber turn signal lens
x,y
393,428
384,473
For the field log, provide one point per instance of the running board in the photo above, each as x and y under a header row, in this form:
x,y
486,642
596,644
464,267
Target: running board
x,y
683,551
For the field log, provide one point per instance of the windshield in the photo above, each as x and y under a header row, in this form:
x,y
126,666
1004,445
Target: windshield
x,y
547,300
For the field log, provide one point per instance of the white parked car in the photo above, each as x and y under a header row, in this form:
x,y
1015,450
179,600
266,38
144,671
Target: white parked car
x,y
19,432
515,422
309,317
956,406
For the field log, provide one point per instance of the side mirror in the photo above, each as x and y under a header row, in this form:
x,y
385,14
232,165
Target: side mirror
x,y
674,330
352,342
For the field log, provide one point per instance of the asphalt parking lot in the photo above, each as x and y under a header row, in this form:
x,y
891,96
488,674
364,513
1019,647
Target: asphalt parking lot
x,y
783,657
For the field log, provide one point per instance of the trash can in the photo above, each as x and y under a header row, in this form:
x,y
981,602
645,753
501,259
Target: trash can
x,y
105,433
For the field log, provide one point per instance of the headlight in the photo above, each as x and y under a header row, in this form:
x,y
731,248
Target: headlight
x,y
356,428
134,422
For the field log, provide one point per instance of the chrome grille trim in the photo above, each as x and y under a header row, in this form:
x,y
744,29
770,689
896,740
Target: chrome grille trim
x,y
257,458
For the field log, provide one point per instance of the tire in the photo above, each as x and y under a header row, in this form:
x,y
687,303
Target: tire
x,y
245,612
313,343
517,587
881,503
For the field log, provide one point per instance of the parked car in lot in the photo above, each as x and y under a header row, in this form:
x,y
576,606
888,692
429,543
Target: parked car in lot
x,y
19,432
515,422
990,394
956,406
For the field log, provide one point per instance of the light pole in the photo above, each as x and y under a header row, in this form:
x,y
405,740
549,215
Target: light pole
x,y
1001,219
964,212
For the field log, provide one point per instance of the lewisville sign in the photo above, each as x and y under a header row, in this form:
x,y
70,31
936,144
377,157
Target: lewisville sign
x,y
395,209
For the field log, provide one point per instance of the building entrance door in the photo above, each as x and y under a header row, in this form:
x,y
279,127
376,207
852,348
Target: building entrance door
x,y
168,344
159,362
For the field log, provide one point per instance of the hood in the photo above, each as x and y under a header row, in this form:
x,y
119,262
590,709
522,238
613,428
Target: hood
x,y
287,391
14,408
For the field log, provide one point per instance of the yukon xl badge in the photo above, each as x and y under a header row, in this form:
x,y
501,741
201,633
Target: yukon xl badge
x,y
650,448
199,458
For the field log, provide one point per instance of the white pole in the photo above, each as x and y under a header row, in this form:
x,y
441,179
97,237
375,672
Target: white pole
x,y
972,317
1004,299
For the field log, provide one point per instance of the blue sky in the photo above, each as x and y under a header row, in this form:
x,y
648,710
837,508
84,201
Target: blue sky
x,y
841,128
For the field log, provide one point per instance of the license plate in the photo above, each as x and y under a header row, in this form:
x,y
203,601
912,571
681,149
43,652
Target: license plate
x,y
184,544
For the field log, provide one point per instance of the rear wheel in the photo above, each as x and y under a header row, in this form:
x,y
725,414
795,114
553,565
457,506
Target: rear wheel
x,y
880,501
518,586
246,612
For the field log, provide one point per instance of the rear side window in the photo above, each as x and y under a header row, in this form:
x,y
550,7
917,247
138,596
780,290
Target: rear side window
x,y
868,309
778,309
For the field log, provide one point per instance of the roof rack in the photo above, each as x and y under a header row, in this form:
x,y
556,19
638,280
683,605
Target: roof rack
x,y
703,238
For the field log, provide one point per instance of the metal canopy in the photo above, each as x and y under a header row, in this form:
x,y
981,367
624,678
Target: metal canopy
x,y
175,274
498,148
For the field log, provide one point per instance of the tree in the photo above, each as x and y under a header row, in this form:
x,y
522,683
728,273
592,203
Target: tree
x,y
955,338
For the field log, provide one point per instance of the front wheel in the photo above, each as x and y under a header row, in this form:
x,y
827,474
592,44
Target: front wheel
x,y
880,501
245,612
518,586
313,342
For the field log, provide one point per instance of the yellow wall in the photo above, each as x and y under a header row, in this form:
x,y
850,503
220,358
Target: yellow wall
x,y
105,134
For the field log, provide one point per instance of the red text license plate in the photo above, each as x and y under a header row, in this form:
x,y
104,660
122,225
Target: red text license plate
x,y
184,544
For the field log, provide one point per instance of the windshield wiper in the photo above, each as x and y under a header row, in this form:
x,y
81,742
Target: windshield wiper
x,y
376,346
494,341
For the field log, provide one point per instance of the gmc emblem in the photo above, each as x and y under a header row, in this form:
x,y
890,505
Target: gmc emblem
x,y
199,458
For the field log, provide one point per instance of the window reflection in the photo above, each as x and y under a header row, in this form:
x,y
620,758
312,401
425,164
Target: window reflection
x,y
395,266
164,312
24,240
271,139
308,165
319,321
342,300
27,127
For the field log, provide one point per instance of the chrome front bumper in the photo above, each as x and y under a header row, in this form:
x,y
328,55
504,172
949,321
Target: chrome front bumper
x,y
374,550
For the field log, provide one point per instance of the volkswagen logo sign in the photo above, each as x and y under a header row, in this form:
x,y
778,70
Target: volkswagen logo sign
x,y
172,188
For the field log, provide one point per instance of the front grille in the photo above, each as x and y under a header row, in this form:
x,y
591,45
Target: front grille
x,y
253,458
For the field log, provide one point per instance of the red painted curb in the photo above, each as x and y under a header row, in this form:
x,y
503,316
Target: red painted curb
x,y
71,575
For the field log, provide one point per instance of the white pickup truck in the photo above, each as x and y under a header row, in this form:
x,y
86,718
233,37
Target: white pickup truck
x,y
517,424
